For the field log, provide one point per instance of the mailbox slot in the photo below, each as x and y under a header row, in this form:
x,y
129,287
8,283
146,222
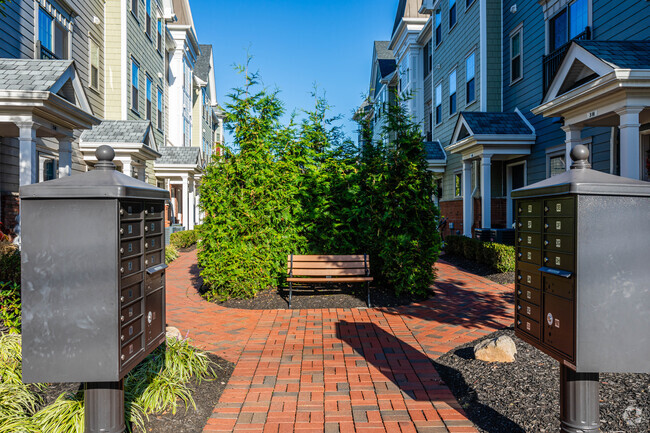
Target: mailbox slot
x,y
529,224
131,330
154,209
131,266
559,261
153,317
559,207
131,293
130,247
130,312
130,229
562,226
529,294
529,208
153,259
131,349
561,243
529,255
153,227
528,309
527,325
153,243
130,210
529,275
558,330
559,286
529,240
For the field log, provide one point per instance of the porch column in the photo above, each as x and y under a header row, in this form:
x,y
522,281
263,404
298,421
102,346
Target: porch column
x,y
65,156
573,138
486,191
127,168
192,203
630,142
28,158
468,205
185,206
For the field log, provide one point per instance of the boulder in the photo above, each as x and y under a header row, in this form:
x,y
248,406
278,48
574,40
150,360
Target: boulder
x,y
172,332
501,349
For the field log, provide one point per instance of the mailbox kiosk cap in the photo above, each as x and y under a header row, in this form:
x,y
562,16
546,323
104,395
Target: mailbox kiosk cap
x,y
581,179
102,182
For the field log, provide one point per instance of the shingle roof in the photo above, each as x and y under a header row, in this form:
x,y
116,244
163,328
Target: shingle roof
x,y
495,123
433,150
31,75
620,54
202,65
117,131
179,155
383,53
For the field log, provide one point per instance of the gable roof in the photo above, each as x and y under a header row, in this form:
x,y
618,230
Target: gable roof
x,y
385,58
620,54
31,75
407,9
202,64
118,131
481,123
434,150
179,155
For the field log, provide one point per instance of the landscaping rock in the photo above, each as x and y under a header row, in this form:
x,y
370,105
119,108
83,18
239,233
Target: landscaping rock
x,y
172,332
501,349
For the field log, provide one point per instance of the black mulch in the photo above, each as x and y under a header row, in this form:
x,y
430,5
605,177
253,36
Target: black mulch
x,y
524,396
206,396
480,269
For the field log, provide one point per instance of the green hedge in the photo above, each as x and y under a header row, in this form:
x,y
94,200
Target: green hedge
x,y
9,263
499,257
184,239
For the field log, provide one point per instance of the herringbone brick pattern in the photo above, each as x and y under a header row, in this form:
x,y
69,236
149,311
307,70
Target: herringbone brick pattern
x,y
339,370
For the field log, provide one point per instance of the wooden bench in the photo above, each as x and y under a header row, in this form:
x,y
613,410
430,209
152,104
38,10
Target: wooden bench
x,y
315,269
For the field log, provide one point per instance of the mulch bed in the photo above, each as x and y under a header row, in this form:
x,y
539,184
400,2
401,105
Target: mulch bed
x,y
206,396
480,269
523,397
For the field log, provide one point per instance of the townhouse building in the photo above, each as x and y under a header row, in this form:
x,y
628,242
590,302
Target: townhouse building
x,y
78,74
515,86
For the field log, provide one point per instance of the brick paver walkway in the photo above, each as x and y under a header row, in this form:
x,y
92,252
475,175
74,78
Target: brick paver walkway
x,y
339,370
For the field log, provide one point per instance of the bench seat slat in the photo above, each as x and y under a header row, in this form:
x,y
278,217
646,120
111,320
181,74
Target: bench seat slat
x,y
326,265
330,280
333,272
327,258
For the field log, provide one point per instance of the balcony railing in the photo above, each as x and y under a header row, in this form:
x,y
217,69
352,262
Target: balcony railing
x,y
552,62
47,54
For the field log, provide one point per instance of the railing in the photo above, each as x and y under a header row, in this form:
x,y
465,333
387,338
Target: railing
x,y
551,63
47,54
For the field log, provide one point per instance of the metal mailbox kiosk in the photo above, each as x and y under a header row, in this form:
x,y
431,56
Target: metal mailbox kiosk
x,y
582,289
93,283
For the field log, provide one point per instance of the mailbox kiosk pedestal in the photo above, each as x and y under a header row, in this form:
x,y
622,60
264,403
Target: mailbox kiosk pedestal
x,y
104,407
579,403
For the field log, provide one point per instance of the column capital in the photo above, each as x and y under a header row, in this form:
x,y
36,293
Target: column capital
x,y
572,128
27,130
486,159
629,110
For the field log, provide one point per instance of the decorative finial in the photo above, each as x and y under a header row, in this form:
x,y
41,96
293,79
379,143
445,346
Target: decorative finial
x,y
105,155
580,157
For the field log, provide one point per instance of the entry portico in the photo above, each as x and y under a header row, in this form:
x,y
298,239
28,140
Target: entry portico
x,y
605,83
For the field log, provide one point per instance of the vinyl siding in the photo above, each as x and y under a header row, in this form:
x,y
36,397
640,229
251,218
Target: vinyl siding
x,y
17,35
114,59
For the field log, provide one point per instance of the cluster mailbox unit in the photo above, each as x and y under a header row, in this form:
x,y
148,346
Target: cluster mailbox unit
x,y
583,280
93,283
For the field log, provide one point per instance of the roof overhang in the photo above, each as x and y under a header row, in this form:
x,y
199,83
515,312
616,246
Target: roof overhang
x,y
133,150
407,27
176,170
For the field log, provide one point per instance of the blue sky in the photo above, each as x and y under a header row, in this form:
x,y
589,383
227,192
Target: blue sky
x,y
295,44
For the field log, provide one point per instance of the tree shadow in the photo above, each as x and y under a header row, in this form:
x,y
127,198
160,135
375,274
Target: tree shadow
x,y
416,375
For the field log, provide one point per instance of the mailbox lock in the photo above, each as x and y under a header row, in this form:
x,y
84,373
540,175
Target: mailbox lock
x,y
545,226
121,318
122,298
518,307
146,212
545,242
520,239
121,250
122,337
122,357
545,259
545,208
519,277
518,322
519,254
121,211
146,228
521,225
121,270
146,262
146,245
121,231
150,317
519,292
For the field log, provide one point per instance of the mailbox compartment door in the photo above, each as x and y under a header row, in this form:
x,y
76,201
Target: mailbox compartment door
x,y
529,294
529,275
558,327
527,325
154,317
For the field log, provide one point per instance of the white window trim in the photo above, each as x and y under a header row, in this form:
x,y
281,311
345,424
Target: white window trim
x,y
551,152
455,22
92,40
438,103
58,15
468,103
458,173
435,29
550,13
519,29
455,69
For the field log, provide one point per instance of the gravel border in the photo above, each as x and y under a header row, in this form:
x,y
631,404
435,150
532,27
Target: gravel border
x,y
523,397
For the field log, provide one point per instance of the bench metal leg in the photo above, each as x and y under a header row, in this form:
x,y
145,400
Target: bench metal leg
x,y
290,290
368,289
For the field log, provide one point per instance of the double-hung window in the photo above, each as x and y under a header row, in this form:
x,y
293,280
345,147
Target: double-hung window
x,y
148,19
438,104
452,13
160,36
438,27
452,93
159,114
470,86
134,7
569,23
94,65
516,48
53,36
148,98
135,91
458,184
45,23
425,59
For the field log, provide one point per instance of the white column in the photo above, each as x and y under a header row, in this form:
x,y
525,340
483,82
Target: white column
x,y
486,191
192,205
185,204
573,138
468,205
630,142
65,156
28,157
127,168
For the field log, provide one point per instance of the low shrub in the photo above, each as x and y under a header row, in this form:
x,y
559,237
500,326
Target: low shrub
x,y
499,257
171,254
9,262
10,306
184,239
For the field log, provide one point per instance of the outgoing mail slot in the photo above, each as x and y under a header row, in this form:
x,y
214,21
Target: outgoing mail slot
x,y
530,240
529,294
130,312
153,317
529,275
562,226
130,210
528,310
154,209
529,255
153,227
131,349
529,224
559,261
529,208
561,243
154,281
559,207
130,247
153,243
131,266
130,331
527,325
558,329
130,294
130,229
559,286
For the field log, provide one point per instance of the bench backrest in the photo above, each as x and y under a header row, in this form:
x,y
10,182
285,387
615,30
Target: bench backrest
x,y
331,266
